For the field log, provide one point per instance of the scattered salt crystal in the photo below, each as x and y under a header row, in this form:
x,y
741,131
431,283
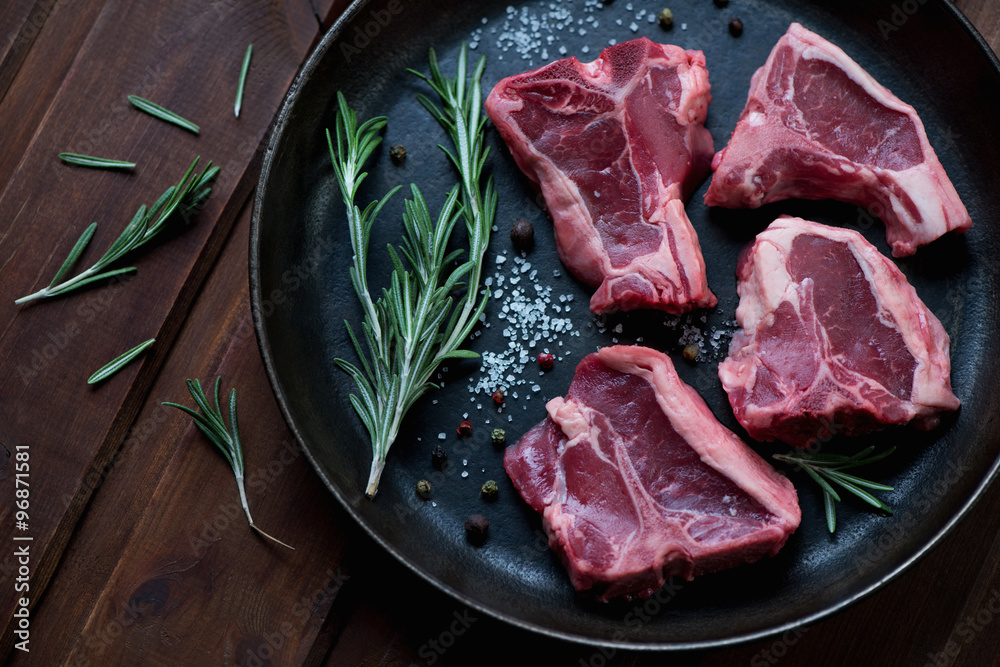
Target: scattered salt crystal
x,y
465,473
634,27
442,436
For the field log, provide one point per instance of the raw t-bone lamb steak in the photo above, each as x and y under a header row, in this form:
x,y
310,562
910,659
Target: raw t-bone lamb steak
x,y
833,339
637,481
817,126
616,145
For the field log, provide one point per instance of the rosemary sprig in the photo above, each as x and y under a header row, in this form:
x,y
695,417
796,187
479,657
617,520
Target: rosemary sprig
x,y
461,115
413,326
243,81
97,162
827,471
226,438
161,113
119,362
190,192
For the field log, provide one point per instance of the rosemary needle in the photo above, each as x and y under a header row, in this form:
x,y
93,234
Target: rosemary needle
x,y
119,362
226,438
97,162
161,113
243,81
827,471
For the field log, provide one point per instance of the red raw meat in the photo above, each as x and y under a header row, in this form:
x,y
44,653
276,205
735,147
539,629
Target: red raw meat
x,y
637,481
817,126
616,146
834,339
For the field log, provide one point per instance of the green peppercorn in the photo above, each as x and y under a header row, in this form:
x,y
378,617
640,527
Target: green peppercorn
x,y
398,154
499,437
424,489
489,490
476,527
735,27
691,352
522,235
666,18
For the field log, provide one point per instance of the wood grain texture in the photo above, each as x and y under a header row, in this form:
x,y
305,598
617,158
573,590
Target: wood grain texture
x,y
141,554
171,53
55,32
170,542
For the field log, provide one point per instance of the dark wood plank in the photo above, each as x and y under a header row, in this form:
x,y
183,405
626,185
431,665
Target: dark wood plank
x,y
985,16
185,58
21,21
54,32
164,568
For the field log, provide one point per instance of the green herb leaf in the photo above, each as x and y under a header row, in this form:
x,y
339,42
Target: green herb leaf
x,y
74,254
161,113
225,438
192,190
430,306
243,80
119,362
91,161
827,471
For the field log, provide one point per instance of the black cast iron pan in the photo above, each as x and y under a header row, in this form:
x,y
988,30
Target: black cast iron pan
x,y
301,295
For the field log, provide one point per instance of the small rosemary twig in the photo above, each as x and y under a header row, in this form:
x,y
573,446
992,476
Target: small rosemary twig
x,y
190,192
225,438
119,362
827,471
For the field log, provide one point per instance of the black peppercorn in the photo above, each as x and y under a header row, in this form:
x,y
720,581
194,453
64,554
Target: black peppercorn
x,y
522,235
398,153
499,437
439,457
489,490
424,489
476,527
735,27
721,3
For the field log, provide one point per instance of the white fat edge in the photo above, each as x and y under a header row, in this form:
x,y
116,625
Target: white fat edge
x,y
833,54
775,285
576,424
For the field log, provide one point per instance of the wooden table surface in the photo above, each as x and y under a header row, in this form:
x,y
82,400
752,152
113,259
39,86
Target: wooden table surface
x,y
139,553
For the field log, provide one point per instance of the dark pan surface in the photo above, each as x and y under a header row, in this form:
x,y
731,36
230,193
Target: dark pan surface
x,y
301,295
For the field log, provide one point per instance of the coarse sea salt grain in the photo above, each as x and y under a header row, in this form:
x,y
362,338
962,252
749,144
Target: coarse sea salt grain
x,y
530,322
